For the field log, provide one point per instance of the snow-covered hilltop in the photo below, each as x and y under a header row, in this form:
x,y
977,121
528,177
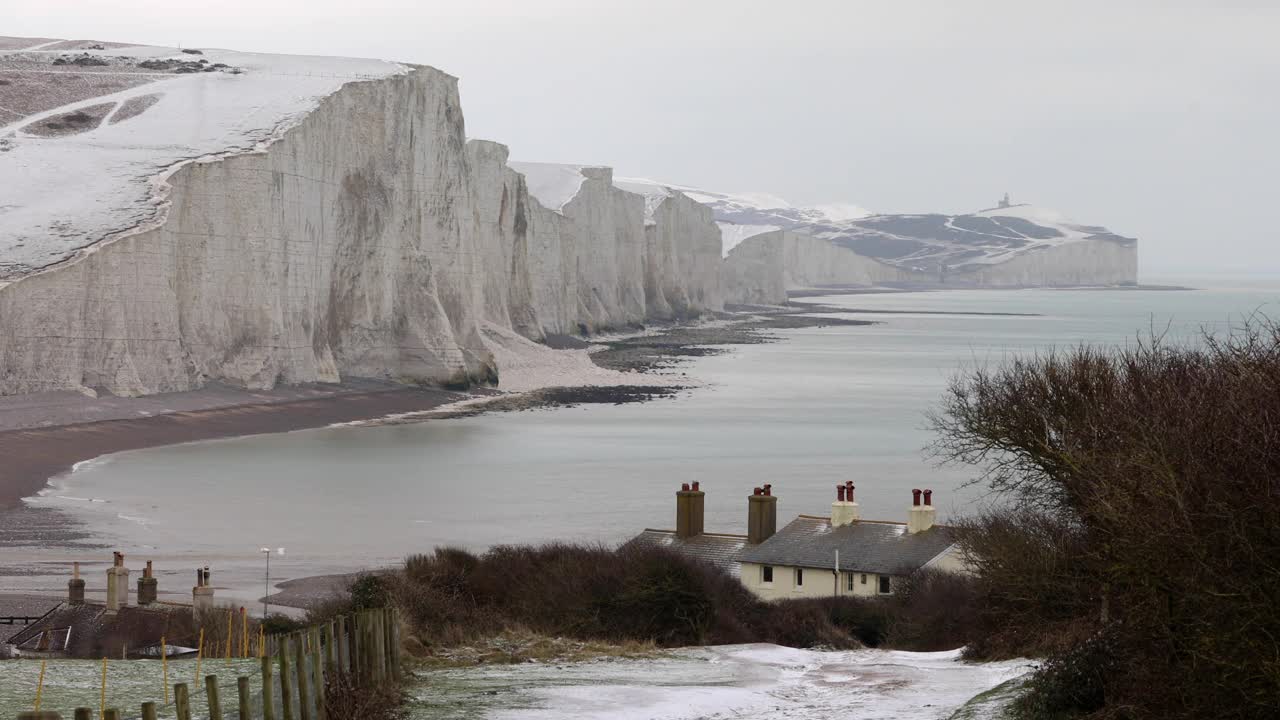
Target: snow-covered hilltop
x,y
174,217
1008,245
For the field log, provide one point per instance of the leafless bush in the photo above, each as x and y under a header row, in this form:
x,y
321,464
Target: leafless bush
x,y
1141,503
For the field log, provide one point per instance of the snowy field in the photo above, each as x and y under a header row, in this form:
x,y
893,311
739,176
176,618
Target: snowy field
x,y
733,681
69,684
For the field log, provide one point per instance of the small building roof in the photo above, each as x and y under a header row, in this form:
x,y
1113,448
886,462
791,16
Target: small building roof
x,y
88,630
871,546
718,549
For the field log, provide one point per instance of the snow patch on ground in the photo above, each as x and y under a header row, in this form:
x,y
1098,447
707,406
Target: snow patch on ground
x,y
654,194
714,683
553,184
839,212
65,193
731,234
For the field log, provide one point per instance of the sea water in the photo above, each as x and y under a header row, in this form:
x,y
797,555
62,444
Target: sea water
x,y
821,407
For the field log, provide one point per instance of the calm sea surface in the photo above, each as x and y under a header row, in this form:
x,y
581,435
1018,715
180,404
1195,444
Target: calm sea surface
x,y
826,405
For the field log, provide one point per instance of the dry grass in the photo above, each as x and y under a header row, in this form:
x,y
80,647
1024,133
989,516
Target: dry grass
x,y
520,646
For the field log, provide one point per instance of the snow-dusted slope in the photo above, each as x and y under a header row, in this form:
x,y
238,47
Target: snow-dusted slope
x,y
283,220
71,182
1038,246
959,244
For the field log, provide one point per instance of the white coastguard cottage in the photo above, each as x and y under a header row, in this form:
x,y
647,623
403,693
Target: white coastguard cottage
x,y
814,556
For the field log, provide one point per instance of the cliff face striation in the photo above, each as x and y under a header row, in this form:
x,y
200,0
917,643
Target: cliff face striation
x,y
302,227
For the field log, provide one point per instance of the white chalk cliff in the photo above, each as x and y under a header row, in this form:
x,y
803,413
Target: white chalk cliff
x,y
260,219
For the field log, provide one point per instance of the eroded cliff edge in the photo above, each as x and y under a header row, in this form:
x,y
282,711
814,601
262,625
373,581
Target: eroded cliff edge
x,y
370,240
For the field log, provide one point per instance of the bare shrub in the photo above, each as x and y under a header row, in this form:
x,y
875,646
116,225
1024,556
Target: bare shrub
x,y
1141,503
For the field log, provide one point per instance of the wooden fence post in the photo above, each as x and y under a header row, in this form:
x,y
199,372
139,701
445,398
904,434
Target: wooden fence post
x,y
182,700
286,679
148,711
317,673
384,647
268,705
371,627
300,670
211,692
344,645
388,637
357,647
395,644
370,652
376,627
331,648
242,693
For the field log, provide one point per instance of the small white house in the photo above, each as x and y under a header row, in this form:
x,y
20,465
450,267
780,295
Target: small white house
x,y
815,556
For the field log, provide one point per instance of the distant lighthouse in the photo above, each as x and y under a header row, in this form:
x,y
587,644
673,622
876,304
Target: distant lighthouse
x,y
1004,202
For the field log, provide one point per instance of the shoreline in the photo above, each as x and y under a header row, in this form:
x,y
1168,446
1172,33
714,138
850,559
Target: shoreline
x,y
44,436
34,456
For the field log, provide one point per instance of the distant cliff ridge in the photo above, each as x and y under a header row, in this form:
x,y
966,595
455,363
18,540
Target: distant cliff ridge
x,y
1008,245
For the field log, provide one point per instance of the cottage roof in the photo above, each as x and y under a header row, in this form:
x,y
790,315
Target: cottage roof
x,y
718,549
865,546
83,630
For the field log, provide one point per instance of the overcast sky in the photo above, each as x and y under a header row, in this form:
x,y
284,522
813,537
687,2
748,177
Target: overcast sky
x,y
1157,119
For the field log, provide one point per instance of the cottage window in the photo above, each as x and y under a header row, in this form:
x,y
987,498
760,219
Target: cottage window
x,y
884,585
848,582
799,577
864,578
766,573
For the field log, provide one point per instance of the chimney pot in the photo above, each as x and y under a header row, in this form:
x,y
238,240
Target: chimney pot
x,y
117,584
684,487
921,517
848,490
147,586
840,493
201,594
915,496
695,486
756,491
762,515
75,586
